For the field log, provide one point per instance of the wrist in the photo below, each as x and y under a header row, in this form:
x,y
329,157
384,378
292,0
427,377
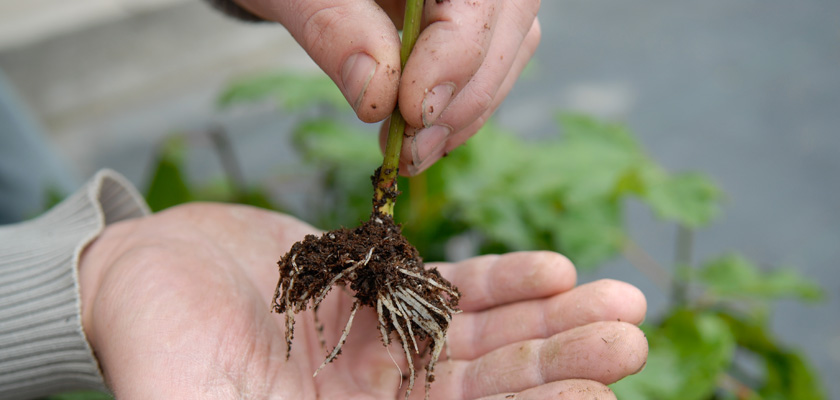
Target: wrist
x,y
89,278
94,263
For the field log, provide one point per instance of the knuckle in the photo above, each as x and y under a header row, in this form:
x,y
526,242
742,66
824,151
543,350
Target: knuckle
x,y
481,96
318,25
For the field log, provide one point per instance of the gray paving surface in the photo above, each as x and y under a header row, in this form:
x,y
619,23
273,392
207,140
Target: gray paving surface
x,y
747,91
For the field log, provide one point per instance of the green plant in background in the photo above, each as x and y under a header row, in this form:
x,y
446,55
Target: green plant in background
x,y
566,193
169,183
718,344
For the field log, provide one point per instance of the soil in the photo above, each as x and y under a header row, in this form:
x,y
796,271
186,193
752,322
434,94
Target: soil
x,y
384,272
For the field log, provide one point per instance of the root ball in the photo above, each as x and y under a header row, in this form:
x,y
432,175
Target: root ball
x,y
384,272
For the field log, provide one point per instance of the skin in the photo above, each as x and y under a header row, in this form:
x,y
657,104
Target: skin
x,y
466,60
176,305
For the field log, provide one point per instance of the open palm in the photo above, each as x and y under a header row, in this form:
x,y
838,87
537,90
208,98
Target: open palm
x,y
176,305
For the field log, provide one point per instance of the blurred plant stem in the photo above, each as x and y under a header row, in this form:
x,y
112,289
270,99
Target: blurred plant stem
x,y
682,259
230,164
647,265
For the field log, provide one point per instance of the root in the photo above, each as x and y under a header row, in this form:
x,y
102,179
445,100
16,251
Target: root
x,y
341,341
430,281
437,346
393,311
319,329
407,317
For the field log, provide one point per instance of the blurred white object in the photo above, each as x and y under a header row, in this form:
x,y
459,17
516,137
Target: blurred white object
x,y
610,100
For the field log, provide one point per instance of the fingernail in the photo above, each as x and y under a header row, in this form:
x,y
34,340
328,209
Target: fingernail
x,y
427,146
436,101
356,74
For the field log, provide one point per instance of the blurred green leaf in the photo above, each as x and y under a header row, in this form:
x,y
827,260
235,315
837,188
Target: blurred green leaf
x,y
590,233
583,127
52,196
691,199
292,91
256,197
562,193
334,142
787,373
688,353
168,187
734,276
789,376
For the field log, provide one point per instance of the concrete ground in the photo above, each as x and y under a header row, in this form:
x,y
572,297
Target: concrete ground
x,y
746,91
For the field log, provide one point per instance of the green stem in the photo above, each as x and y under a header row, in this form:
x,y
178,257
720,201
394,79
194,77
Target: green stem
x,y
682,259
385,185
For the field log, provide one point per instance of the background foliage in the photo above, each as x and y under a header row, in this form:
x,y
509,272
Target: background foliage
x,y
566,193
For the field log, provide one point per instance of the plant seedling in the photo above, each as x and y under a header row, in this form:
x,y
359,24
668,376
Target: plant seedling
x,y
383,270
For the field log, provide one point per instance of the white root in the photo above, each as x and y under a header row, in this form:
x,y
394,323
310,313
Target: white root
x,y
276,296
420,310
437,346
430,281
343,338
407,318
423,301
394,312
385,338
290,326
290,318
451,311
289,290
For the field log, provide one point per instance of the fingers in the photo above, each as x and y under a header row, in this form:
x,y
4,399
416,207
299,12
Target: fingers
x,y
490,281
603,352
570,389
353,41
447,54
416,155
474,334
463,65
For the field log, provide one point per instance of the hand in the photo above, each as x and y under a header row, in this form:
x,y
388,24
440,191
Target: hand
x,y
465,62
176,305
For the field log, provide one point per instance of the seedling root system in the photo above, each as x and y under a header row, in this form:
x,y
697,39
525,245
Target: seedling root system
x,y
383,271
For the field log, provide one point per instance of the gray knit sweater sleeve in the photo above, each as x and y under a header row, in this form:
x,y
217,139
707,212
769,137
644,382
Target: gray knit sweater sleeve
x,y
43,349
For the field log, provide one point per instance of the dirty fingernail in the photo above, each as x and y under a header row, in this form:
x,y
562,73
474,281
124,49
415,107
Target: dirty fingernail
x,y
427,147
436,101
356,74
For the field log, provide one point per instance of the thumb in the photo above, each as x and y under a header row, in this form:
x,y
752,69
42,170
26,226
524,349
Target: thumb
x,y
353,41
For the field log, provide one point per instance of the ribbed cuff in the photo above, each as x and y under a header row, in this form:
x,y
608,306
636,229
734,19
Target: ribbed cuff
x,y
230,7
43,349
